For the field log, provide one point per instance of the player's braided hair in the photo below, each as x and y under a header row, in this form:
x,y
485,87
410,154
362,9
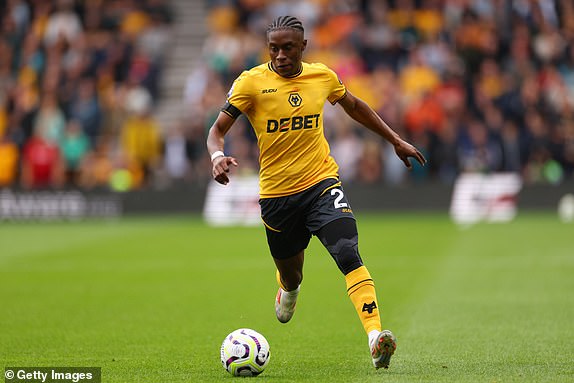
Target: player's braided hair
x,y
284,22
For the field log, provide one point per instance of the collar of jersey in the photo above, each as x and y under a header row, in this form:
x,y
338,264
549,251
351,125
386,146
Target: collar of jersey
x,y
292,76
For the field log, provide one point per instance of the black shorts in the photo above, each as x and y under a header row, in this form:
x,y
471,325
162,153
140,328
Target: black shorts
x,y
290,221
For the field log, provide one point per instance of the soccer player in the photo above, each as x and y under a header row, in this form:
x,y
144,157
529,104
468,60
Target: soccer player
x,y
300,193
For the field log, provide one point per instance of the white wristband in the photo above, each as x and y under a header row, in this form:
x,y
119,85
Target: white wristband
x,y
216,154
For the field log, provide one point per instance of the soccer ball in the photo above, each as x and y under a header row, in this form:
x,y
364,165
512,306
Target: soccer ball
x,y
245,352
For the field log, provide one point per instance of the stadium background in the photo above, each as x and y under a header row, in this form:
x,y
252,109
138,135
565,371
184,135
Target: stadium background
x,y
114,97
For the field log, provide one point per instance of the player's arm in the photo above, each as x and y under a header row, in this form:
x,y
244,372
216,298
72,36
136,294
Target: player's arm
x,y
215,144
361,112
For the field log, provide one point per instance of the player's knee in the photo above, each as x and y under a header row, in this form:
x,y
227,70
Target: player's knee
x,y
341,239
347,255
345,252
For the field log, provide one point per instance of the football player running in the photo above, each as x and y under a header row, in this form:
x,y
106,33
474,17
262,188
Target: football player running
x,y
300,191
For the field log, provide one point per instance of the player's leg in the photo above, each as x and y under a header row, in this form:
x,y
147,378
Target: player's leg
x,y
290,271
289,278
287,238
288,249
340,238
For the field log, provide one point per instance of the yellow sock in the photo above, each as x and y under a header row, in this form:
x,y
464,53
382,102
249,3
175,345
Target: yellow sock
x,y
278,276
361,290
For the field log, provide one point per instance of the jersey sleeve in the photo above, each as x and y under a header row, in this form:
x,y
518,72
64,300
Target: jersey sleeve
x,y
337,89
238,97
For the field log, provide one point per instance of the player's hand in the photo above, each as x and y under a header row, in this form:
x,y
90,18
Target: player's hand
x,y
221,167
405,150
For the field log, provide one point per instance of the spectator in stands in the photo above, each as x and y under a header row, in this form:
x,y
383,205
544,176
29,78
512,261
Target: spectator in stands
x,y
97,166
74,147
9,156
444,158
370,164
32,55
195,133
512,147
64,24
567,150
417,78
347,149
176,155
85,108
49,121
478,152
141,142
42,164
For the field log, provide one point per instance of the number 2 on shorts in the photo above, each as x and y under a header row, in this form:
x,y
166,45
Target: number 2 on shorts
x,y
338,204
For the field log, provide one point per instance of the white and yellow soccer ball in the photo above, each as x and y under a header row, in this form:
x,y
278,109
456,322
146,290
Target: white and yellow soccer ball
x,y
245,352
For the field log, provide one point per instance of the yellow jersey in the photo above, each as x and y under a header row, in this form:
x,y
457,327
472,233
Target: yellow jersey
x,y
287,117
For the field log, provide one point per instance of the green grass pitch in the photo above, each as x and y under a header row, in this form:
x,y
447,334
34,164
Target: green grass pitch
x,y
151,299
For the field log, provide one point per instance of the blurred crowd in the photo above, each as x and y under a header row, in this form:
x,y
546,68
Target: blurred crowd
x,y
78,83
477,85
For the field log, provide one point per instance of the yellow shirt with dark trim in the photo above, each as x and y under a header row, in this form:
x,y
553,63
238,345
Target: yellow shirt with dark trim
x,y
287,116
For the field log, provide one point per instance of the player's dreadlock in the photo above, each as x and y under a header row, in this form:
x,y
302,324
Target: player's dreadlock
x,y
283,22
